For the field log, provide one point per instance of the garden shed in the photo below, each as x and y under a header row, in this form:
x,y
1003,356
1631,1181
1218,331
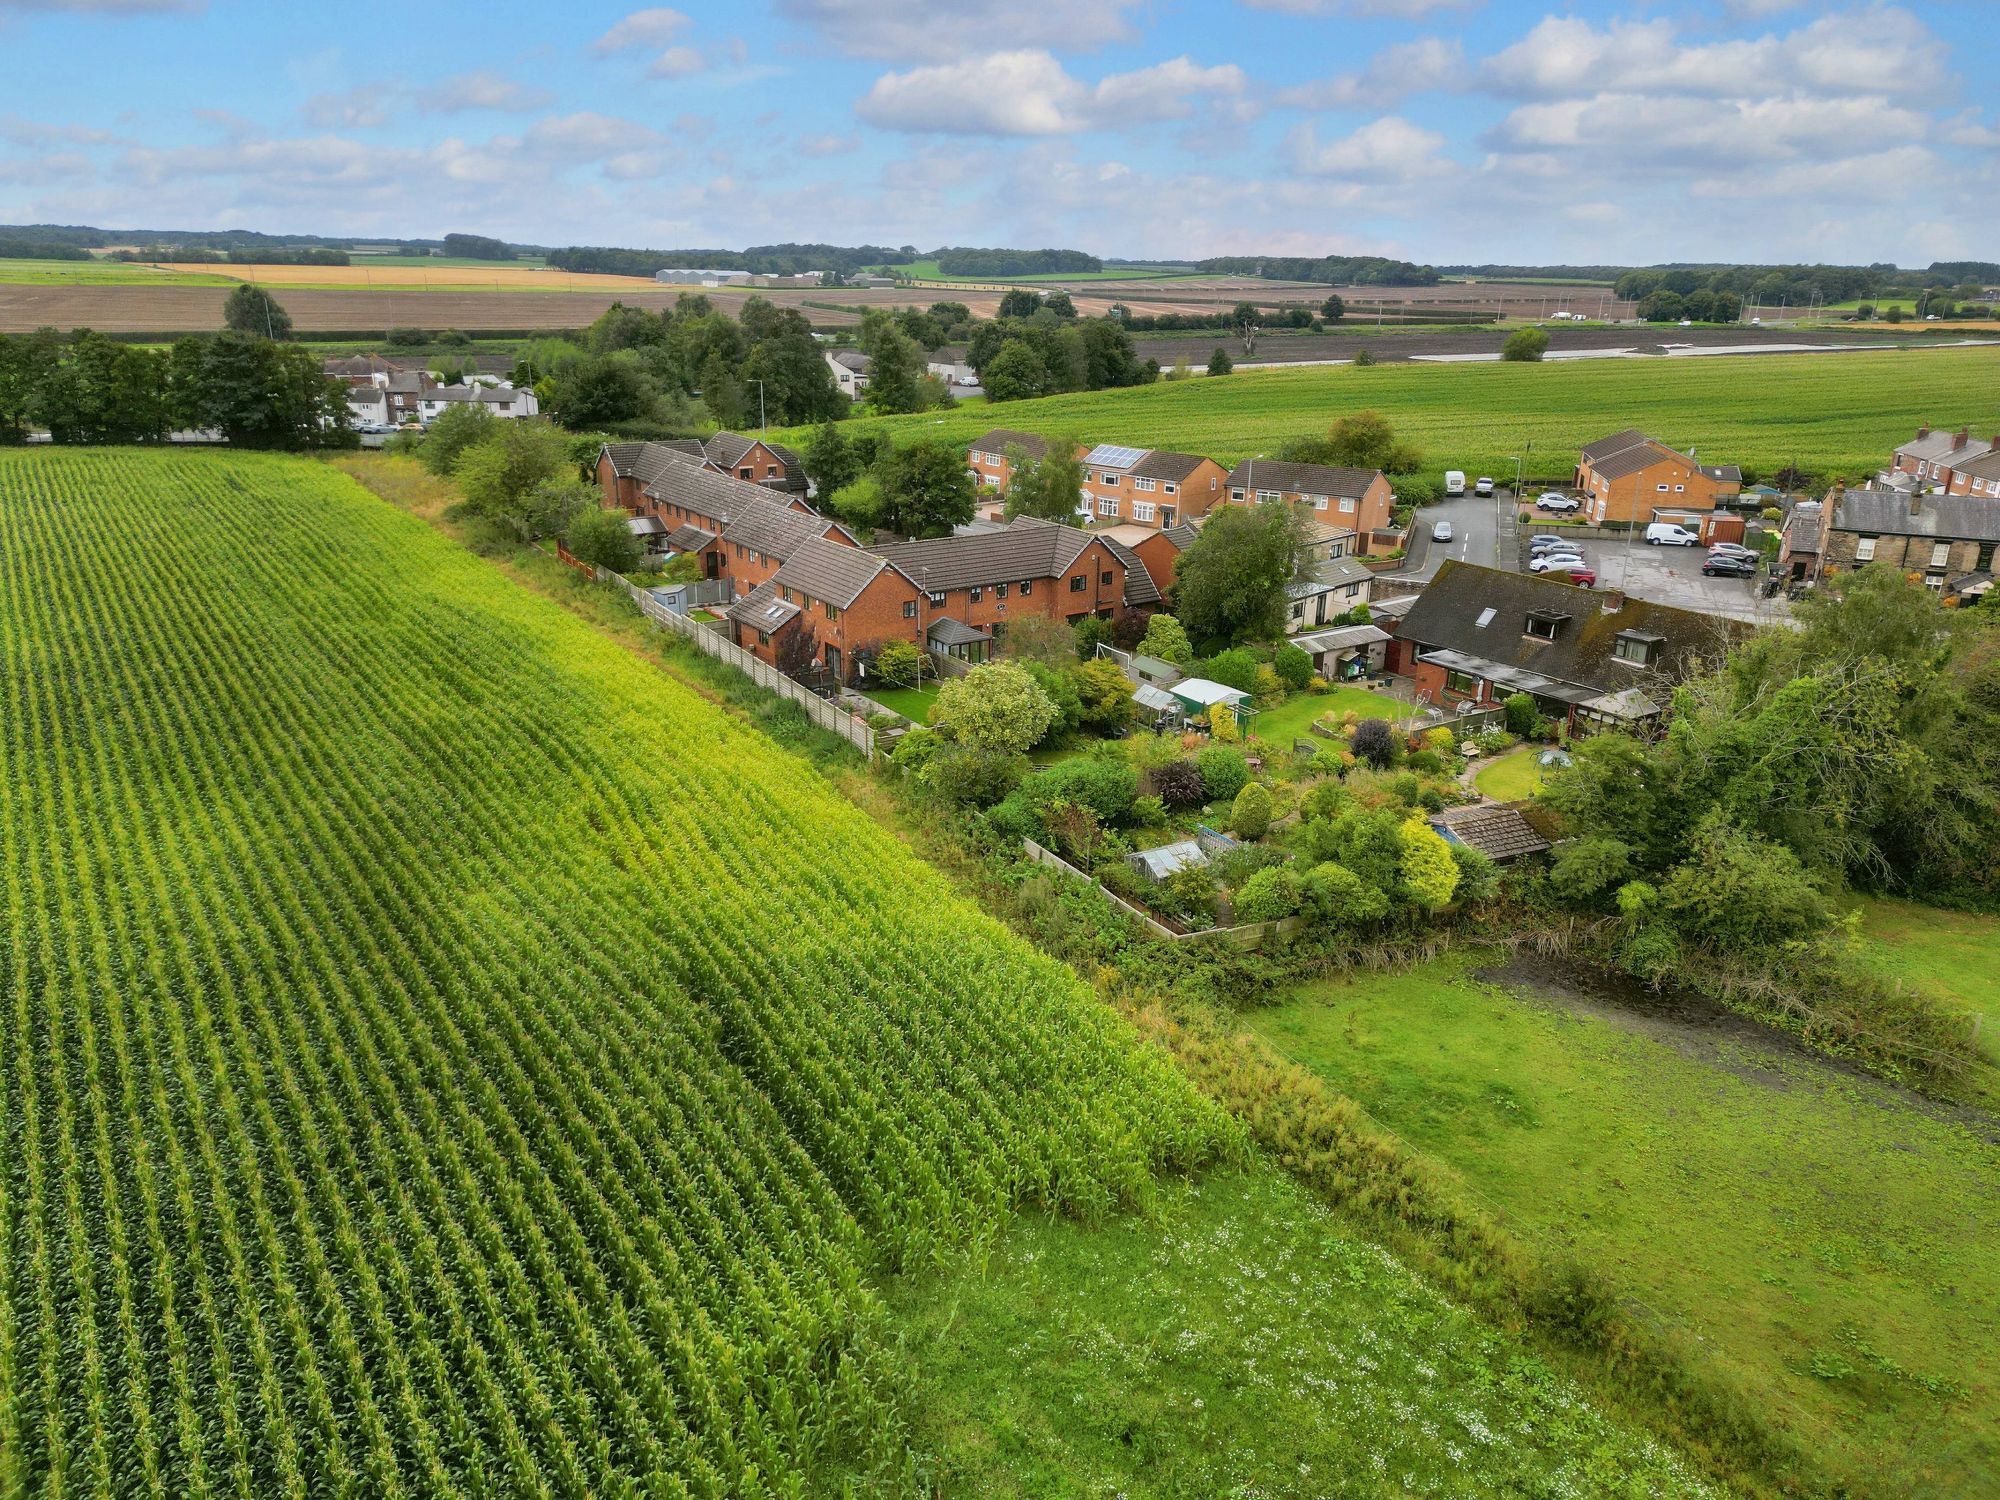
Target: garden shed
x,y
1197,695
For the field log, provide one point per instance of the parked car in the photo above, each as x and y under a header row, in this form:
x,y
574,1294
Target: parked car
x,y
1719,565
1550,539
1732,549
1454,482
1556,501
1550,562
1667,534
1581,577
1536,549
1483,487
1441,532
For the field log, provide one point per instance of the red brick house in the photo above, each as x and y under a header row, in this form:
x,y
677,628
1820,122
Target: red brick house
x,y
1149,486
741,530
755,461
1360,499
1631,478
829,606
1590,659
988,458
1955,463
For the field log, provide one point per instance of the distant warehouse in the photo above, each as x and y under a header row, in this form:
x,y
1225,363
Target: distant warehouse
x,y
680,276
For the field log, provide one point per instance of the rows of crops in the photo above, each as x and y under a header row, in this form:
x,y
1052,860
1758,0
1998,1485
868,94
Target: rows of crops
x,y
441,1056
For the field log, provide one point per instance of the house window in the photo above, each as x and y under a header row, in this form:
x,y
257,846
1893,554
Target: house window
x,y
763,639
978,594
999,591
1864,550
1174,489
1542,628
909,609
1347,506
744,473
1148,485
1079,583
1299,611
1109,481
1107,505
830,611
1461,682
935,598
1637,649
1985,563
1319,501
1142,510
1266,497
1661,488
1235,494
1940,554
1027,587
1105,578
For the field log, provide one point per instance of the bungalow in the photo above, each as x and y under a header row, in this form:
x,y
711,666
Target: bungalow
x,y
1327,590
850,371
1632,479
1592,660
1938,536
1346,651
1357,499
1149,486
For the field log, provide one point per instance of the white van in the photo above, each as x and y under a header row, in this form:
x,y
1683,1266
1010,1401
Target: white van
x,y
1667,534
1454,482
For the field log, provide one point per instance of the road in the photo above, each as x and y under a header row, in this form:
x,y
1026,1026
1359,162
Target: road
x,y
1482,532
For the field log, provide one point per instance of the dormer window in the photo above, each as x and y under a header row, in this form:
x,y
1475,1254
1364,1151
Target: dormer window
x,y
1545,624
1639,648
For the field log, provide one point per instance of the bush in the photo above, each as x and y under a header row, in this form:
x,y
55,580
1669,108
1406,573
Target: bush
x,y
1521,714
1493,741
1148,812
1061,690
1250,814
1429,762
1430,799
1235,668
1180,784
1224,772
899,662
1570,1301
1104,696
1166,639
1294,667
1102,783
1428,871
997,706
1406,787
1478,876
1525,345
1268,896
1374,742
602,538
974,778
1222,724
1188,893
1335,895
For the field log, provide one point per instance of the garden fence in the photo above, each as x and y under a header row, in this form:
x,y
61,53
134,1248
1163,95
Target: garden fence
x,y
1250,935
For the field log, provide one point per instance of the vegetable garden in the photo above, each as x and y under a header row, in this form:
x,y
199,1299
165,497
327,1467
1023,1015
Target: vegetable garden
x,y
442,1055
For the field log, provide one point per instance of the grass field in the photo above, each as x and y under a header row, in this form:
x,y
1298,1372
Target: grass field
x,y
104,273
927,270
1953,955
1511,777
1836,413
416,1082
1833,1245
911,703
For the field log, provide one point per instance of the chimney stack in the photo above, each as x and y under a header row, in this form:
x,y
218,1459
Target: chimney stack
x,y
1923,432
1962,437
1611,601
1916,501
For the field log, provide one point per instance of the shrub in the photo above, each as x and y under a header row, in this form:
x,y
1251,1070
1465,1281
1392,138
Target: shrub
x,y
1570,1301
1429,762
1333,894
1375,742
1430,799
900,662
1188,893
1148,812
1014,817
1250,814
1294,667
1406,787
1166,639
974,778
1521,714
1478,876
1268,896
915,749
1493,741
1180,784
1102,783
1525,345
1235,668
1060,687
1222,724
1224,772
1270,686
1104,697
1428,871
996,707
1441,739
602,538
1089,632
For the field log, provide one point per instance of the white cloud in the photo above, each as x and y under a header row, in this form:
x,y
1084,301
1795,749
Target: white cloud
x,y
1637,130
358,108
1386,150
819,147
676,62
919,30
1393,74
33,133
1756,10
1029,93
483,90
1409,10
643,28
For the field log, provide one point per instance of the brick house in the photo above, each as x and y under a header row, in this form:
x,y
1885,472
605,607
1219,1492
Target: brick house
x,y
1937,537
1632,479
740,530
1589,659
1149,486
828,606
1359,499
988,459
755,461
1956,463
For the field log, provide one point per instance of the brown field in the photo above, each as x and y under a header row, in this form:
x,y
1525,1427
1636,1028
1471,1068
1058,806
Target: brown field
x,y
501,277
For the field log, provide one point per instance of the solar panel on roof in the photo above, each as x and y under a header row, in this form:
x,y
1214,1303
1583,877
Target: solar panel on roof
x,y
1111,456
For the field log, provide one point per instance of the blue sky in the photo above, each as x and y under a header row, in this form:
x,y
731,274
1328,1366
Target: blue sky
x,y
1442,130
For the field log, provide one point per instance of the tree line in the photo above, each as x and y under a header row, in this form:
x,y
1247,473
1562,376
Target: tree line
x,y
965,261
1340,270
757,260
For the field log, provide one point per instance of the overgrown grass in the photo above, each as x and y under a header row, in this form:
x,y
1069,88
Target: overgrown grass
x,y
1832,1245
1833,413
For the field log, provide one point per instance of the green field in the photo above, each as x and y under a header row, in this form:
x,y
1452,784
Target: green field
x,y
1511,777
927,270
102,273
1952,955
524,262
1832,1244
1832,413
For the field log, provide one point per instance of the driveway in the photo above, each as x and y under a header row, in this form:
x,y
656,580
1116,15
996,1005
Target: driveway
x,y
1482,532
1672,575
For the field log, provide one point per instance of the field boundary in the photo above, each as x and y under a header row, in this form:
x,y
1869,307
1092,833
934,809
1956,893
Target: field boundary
x,y
1250,935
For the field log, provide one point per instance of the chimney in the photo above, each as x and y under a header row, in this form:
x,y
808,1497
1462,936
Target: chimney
x,y
1923,432
1994,446
1611,601
1916,502
1963,436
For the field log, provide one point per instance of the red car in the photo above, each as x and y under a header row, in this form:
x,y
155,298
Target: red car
x,y
1581,577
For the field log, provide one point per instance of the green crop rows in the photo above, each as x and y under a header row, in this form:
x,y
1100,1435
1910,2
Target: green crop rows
x,y
440,1055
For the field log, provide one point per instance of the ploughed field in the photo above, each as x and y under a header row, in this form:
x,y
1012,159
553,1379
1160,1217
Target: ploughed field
x,y
443,1055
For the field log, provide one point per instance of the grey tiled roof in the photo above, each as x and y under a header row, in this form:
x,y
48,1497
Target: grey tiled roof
x,y
761,608
1140,589
688,537
1873,512
950,632
1618,442
1303,479
1024,548
1632,460
1159,464
1498,832
1000,439
1183,535
1942,447
830,573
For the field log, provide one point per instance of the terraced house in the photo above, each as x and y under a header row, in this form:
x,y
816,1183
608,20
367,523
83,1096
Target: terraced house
x,y
990,461
1955,463
1943,539
1149,486
741,531
1358,499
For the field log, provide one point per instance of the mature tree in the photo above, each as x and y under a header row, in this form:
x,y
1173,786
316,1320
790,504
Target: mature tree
x,y
857,504
621,327
601,390
99,390
27,362
1060,687
996,708
1219,363
1059,304
601,536
1042,638
497,474
926,489
1020,303
1360,440
1525,345
250,309
896,365
259,394
1166,639
550,506
1333,309
460,426
1230,584
787,368
722,391
1016,373
1050,487
831,462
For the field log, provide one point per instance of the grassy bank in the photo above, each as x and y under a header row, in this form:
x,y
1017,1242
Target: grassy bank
x,y
1832,1244
1839,413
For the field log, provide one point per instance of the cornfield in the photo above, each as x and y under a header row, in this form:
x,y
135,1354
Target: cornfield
x,y
443,1056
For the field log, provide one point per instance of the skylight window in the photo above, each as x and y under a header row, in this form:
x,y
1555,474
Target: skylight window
x,y
1486,617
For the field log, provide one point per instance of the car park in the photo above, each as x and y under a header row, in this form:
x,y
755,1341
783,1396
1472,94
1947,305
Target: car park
x,y
1717,566
1554,561
1732,549
1441,532
1582,577
1667,534
1454,482
1483,487
1550,539
1557,501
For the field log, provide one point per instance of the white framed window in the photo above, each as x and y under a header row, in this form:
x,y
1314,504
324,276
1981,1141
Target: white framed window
x,y
1107,505
1347,505
1109,481
1661,488
1319,502
1174,489
1143,510
1266,497
1235,494
1148,485
1864,550
1680,489
1940,554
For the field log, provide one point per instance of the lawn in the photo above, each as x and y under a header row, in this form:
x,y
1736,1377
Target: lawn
x,y
1239,1344
1279,726
1954,955
912,703
1833,1244
1510,778
1830,412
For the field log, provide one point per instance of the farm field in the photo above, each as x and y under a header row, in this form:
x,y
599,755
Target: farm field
x,y
103,273
1832,1242
927,270
1830,412
418,1083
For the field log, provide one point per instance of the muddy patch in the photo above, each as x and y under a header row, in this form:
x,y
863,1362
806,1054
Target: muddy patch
x,y
1709,1032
